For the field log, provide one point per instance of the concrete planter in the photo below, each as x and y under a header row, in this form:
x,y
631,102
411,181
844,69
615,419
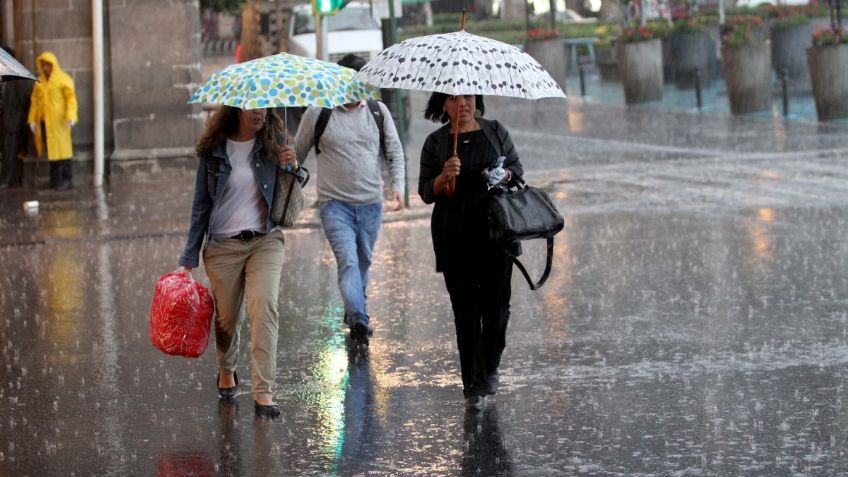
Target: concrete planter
x,y
788,45
691,52
640,67
551,55
747,73
828,73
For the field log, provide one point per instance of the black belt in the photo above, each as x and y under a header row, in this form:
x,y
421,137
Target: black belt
x,y
248,235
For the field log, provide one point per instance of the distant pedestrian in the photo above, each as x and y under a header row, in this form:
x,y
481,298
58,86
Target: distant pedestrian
x,y
15,107
477,271
52,114
242,248
349,141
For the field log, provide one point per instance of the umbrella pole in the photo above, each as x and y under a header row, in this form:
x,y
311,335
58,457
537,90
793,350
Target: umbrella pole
x,y
286,124
450,187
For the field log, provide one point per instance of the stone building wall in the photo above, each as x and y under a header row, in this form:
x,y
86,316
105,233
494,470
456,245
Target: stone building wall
x,y
152,65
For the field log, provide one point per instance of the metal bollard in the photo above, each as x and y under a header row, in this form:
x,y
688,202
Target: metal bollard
x,y
784,90
582,78
698,88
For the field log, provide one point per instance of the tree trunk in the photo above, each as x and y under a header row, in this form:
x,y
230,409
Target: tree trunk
x,y
251,47
553,7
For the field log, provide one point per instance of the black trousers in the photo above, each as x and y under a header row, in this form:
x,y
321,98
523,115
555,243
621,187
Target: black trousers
x,y
10,171
479,288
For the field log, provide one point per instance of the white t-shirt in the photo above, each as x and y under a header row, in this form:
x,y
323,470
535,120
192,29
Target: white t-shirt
x,y
242,206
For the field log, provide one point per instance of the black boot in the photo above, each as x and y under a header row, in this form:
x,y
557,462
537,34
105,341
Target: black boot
x,y
67,175
55,174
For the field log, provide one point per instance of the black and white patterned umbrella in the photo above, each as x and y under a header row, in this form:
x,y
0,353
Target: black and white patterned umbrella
x,y
460,63
12,69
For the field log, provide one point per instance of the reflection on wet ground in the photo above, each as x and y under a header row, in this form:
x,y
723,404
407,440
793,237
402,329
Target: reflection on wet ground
x,y
694,324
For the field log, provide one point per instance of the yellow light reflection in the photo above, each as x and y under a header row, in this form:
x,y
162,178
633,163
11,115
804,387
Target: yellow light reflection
x,y
769,175
575,120
61,279
554,291
765,215
759,232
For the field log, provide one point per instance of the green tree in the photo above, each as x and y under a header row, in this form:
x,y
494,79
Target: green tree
x,y
228,6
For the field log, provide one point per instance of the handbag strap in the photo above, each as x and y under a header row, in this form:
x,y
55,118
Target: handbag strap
x,y
300,178
548,263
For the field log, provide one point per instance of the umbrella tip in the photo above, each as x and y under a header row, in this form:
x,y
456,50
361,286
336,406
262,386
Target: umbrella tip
x,y
462,21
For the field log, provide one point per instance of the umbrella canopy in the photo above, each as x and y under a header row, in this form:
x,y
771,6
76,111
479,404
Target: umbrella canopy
x,y
283,80
12,69
460,63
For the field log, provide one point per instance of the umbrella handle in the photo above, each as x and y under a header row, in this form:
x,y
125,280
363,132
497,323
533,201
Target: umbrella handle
x,y
450,187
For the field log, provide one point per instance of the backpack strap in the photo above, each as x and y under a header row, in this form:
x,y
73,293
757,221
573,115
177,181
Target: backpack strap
x,y
320,126
324,118
374,107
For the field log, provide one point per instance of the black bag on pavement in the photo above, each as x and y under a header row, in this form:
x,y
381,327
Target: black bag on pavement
x,y
524,213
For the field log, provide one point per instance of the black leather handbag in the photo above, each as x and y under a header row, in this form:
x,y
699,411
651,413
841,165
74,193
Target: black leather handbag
x,y
524,213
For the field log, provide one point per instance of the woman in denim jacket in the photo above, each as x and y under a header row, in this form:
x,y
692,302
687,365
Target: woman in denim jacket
x,y
242,248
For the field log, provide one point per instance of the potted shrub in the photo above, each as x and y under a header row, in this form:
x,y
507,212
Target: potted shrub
x,y
746,64
691,49
790,33
640,64
547,47
828,62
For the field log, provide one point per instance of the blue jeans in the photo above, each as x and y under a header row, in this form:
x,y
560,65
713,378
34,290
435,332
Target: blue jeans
x,y
352,232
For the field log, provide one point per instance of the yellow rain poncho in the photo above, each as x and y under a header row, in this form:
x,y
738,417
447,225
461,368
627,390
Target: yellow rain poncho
x,y
54,107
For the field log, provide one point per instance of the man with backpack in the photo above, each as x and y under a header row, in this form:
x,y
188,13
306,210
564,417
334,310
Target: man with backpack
x,y
349,142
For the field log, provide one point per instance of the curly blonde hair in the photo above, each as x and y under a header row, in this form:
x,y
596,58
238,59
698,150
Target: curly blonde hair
x,y
225,122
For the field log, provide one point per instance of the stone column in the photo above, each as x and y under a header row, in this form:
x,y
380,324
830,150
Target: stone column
x,y
154,61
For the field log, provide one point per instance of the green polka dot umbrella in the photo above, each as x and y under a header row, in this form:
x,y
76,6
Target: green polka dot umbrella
x,y
283,80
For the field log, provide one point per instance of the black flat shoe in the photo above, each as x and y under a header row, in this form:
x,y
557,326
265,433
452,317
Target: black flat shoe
x,y
267,410
474,403
227,393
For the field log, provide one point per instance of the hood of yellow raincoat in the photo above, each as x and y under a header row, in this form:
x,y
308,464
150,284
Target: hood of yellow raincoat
x,y
49,57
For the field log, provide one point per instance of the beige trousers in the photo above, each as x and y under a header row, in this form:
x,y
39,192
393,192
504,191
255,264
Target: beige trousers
x,y
247,272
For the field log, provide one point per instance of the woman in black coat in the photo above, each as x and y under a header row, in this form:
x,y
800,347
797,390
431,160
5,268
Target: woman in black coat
x,y
477,271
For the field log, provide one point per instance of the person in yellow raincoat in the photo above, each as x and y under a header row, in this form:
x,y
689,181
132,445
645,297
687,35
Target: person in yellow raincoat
x,y
52,113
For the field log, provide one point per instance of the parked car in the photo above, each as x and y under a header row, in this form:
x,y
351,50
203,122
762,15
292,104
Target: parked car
x,y
756,3
351,30
565,16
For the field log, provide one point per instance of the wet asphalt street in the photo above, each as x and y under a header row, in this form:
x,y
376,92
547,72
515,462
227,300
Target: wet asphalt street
x,y
694,323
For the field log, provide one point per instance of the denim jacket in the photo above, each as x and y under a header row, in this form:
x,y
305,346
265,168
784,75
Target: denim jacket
x,y
212,174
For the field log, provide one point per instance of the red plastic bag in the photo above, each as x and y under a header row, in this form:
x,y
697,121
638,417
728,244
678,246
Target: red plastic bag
x,y
181,315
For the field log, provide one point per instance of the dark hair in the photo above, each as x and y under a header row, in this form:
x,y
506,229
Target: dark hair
x,y
436,113
352,61
225,122
9,50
